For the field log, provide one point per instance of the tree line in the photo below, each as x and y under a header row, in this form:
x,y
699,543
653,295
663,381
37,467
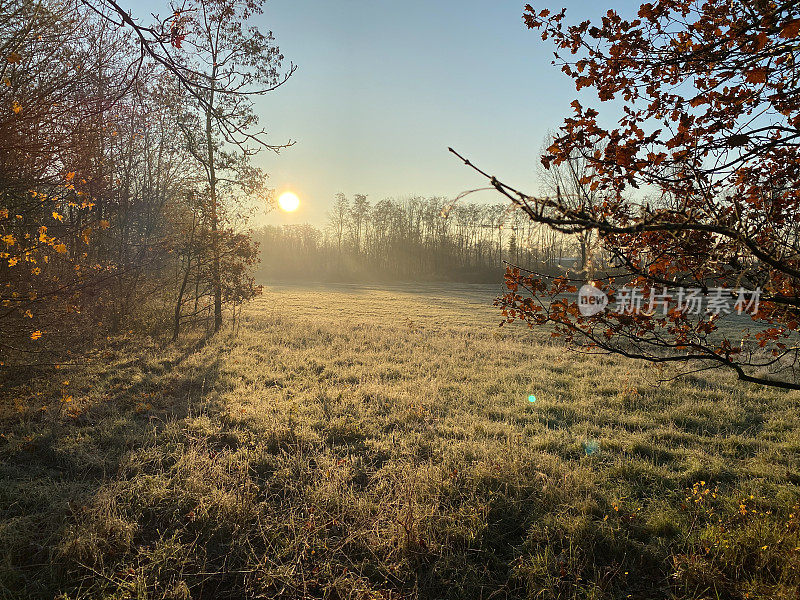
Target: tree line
x,y
125,169
413,239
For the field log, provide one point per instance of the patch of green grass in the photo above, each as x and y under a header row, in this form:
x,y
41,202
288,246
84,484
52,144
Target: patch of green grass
x,y
355,442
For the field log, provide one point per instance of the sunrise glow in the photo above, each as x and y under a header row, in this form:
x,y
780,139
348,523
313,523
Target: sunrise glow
x,y
289,202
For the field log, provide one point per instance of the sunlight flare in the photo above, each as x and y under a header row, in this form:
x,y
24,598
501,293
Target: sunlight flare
x,y
289,202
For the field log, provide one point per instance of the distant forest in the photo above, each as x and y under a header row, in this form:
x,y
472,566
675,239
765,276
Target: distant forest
x,y
416,239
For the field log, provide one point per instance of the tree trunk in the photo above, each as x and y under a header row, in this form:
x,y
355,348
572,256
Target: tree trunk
x,y
212,186
179,303
177,326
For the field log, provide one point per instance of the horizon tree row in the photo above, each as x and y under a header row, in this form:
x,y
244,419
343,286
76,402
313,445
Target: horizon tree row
x,y
414,239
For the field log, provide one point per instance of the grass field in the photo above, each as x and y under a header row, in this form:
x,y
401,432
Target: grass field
x,y
356,442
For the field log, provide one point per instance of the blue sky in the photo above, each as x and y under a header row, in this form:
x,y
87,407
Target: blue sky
x,y
383,88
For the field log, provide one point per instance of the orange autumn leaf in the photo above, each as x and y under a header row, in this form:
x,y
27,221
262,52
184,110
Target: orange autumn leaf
x,y
756,75
790,29
36,335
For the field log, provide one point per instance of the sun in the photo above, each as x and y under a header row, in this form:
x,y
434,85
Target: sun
x,y
289,202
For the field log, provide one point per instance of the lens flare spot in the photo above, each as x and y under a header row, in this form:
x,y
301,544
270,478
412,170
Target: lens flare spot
x,y
591,447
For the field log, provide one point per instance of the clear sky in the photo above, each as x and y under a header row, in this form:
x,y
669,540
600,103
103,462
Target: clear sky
x,y
384,87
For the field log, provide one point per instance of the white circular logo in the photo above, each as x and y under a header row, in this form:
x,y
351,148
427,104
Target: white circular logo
x,y
591,300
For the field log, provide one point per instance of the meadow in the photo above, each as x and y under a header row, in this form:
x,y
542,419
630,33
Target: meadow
x,y
392,442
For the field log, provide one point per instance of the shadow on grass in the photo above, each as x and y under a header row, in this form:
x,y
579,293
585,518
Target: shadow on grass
x,y
53,467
